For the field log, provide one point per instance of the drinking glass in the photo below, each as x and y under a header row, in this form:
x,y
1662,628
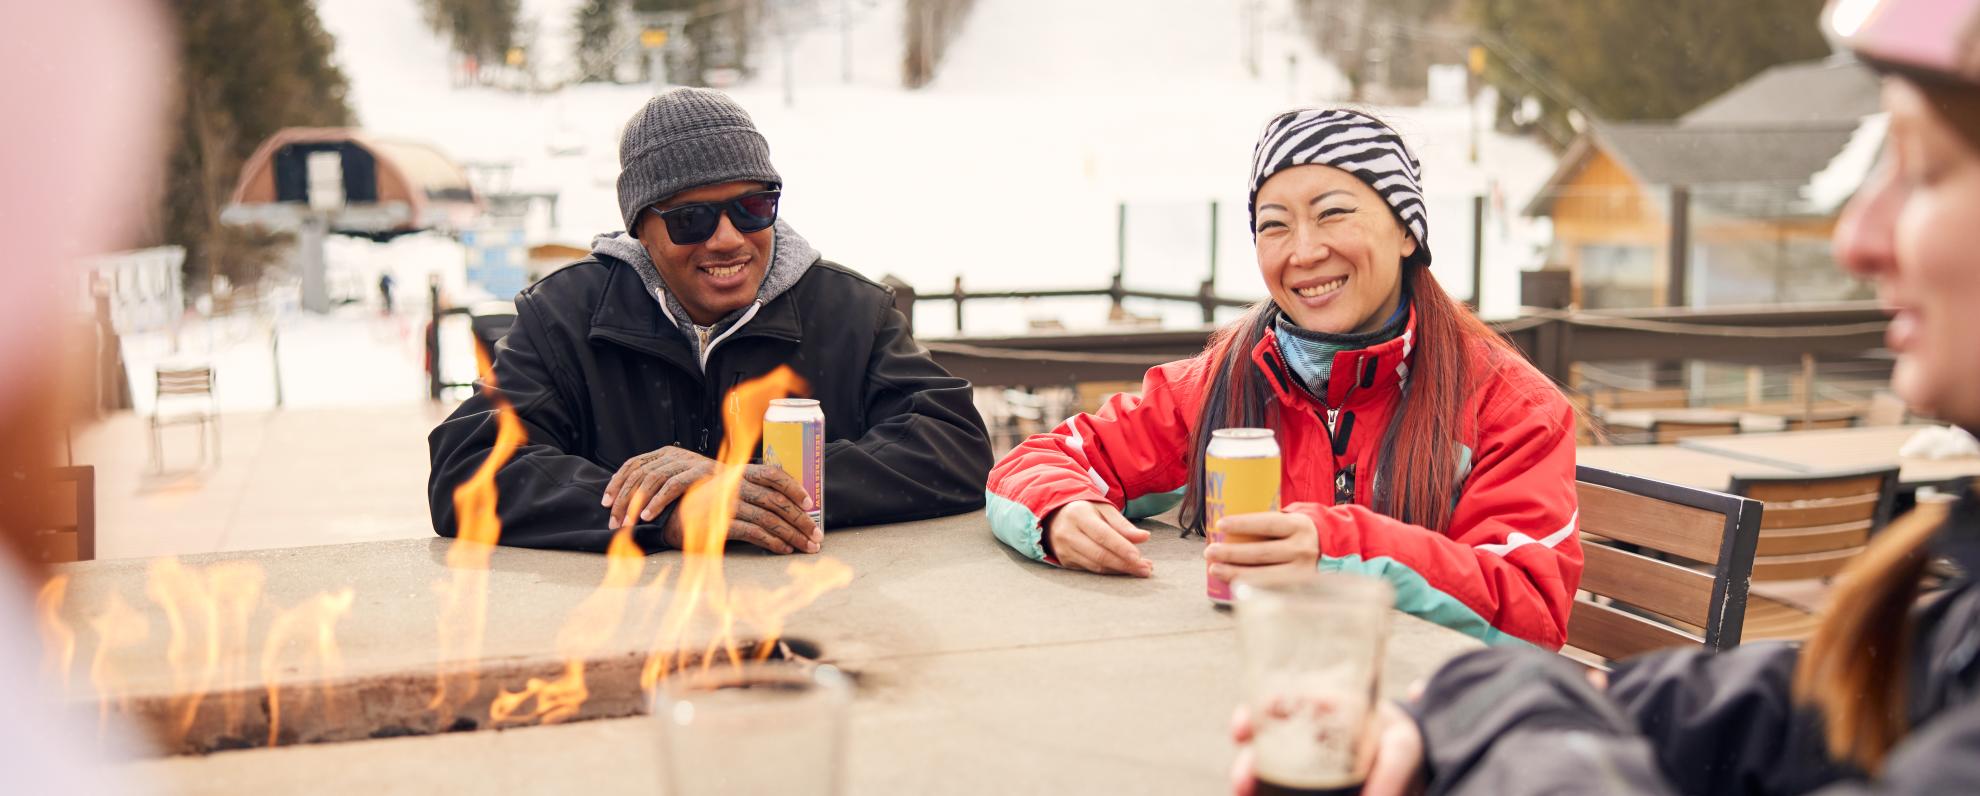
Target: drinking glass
x,y
1312,645
771,727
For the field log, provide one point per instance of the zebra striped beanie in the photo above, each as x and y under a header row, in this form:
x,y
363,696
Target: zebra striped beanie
x,y
1352,142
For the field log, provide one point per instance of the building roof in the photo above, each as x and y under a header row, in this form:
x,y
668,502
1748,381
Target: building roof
x,y
1826,92
1751,151
1667,155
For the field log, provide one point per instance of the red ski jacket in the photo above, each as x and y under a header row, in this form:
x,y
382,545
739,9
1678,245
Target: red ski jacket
x,y
1507,566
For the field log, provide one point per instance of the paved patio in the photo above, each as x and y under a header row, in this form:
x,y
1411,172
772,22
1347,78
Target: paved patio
x,y
285,478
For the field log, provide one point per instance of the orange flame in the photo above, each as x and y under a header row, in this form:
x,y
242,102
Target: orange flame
x,y
208,612
464,604
117,627
58,641
315,620
236,588
590,628
183,596
705,513
766,610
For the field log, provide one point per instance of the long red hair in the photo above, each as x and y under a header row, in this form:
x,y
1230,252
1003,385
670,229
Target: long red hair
x,y
1417,469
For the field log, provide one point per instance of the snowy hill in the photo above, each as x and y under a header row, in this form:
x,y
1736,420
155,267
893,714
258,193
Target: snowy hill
x,y
1007,170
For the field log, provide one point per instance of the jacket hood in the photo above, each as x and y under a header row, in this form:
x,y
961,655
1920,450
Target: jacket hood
x,y
790,256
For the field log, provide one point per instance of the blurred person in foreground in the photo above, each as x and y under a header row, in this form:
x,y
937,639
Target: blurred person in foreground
x,y
89,79
1885,698
1418,445
618,364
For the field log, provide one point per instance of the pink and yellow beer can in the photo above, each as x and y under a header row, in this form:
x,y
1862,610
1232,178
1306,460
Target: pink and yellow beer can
x,y
794,439
1240,476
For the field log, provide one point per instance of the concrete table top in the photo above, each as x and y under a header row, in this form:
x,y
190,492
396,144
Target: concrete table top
x,y
1841,449
979,671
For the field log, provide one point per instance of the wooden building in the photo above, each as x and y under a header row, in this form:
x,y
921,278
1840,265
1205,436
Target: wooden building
x,y
1733,204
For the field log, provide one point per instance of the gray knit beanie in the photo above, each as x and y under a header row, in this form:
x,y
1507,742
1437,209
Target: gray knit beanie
x,y
687,138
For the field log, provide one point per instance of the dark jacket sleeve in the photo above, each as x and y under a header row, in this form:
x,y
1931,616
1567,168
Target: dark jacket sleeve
x,y
546,497
925,453
1726,723
1942,756
1517,721
1513,720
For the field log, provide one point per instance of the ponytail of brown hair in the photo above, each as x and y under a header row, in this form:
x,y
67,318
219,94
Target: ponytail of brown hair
x,y
1853,669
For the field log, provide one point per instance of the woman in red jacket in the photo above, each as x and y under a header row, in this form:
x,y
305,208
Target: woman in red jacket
x,y
1417,445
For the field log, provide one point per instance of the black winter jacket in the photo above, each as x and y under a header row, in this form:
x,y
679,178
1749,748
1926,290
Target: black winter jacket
x,y
1521,722
597,375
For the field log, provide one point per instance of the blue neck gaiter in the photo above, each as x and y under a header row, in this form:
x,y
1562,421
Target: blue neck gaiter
x,y
1310,354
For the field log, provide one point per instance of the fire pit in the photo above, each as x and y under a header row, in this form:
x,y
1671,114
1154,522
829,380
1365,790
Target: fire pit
x,y
1079,683
212,618
398,705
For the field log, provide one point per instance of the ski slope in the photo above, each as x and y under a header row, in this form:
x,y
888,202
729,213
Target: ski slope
x,y
1008,170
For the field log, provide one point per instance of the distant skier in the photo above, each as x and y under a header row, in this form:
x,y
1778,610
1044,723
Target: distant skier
x,y
385,283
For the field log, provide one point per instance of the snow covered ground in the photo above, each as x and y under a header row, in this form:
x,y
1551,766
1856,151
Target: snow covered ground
x,y
1009,170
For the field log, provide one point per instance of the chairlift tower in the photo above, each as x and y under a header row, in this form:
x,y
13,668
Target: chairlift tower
x,y
663,42
318,181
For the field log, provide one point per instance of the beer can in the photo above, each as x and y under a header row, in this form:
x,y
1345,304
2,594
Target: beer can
x,y
1240,476
794,439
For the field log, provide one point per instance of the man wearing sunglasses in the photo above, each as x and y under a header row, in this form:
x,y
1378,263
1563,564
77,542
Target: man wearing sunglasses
x,y
617,365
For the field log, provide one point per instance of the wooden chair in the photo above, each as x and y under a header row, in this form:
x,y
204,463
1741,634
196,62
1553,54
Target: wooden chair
x,y
1814,526
1667,432
1886,409
1658,398
1091,395
59,509
1633,603
1821,423
1588,427
184,397
1013,416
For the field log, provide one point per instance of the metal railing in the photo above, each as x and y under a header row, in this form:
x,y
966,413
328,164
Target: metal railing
x,y
1554,340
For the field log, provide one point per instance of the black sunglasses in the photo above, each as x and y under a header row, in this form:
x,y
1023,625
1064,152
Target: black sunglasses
x,y
693,223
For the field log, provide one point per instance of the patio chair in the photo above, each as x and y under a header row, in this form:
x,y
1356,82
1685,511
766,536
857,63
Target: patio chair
x,y
1588,426
184,397
1666,432
1813,526
1655,398
1091,395
1822,423
59,513
1631,602
1886,409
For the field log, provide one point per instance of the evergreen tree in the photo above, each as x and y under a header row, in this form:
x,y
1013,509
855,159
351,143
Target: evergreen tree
x,y
1632,60
481,29
719,34
597,45
246,69
1385,43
